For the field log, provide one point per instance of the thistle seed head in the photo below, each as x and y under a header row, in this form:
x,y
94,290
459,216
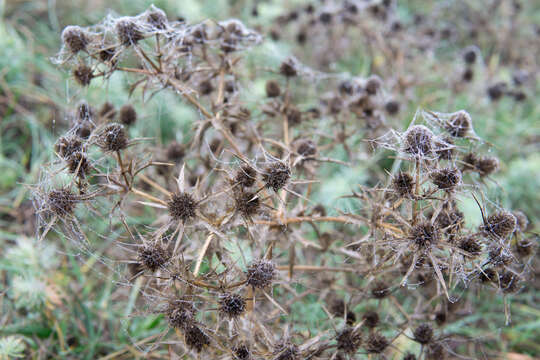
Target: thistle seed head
x,y
75,38
276,175
232,305
182,206
261,273
418,141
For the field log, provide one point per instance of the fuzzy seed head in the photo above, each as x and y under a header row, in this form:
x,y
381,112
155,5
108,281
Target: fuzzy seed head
x,y
261,273
114,138
288,68
247,203
67,146
75,38
128,115
153,256
245,176
423,334
348,340
182,206
272,89
376,343
195,338
286,351
403,184
424,234
232,305
459,124
371,319
276,175
128,31
471,246
83,75
500,224
446,178
62,202
418,141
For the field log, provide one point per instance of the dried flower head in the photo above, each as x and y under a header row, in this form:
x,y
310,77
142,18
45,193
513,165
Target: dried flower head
x,y
424,234
180,313
195,338
488,275
75,38
61,202
392,107
459,124
245,176
446,178
67,146
261,273
232,305
469,55
182,206
152,256
403,184
418,141
286,351
288,68
509,282
306,148
157,19
423,334
128,31
500,224
107,111
247,203
276,175
349,340
376,343
371,319
175,151
78,164
471,246
272,89
128,115
113,138
83,75
241,352
373,84
487,165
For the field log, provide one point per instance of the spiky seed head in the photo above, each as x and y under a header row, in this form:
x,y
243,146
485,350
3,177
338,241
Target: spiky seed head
x,y
371,319
261,273
288,68
424,234
180,313
128,31
114,138
348,340
487,165
153,256
306,148
175,151
68,145
418,141
392,107
107,111
245,176
446,178
182,206
232,305
376,343
128,115
157,19
380,290
444,148
500,256
373,84
195,338
286,351
488,275
525,248
423,334
470,160
500,224
75,38
106,54
61,202
509,282
247,203
450,221
83,75
272,89
78,164
241,352
459,124
276,175
403,184
471,246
